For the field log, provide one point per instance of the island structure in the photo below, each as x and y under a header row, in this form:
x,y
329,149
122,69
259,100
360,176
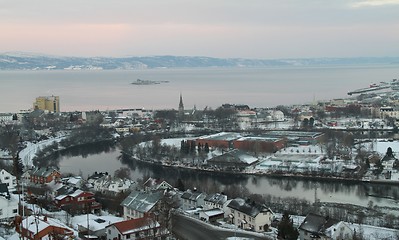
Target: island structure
x,y
147,82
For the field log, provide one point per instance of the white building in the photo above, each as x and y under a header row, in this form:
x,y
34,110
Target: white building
x,y
8,203
192,199
389,112
8,179
107,183
318,227
139,204
250,215
213,201
5,117
141,228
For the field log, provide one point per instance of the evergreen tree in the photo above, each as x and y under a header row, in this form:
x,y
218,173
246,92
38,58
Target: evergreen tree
x,y
286,229
305,122
389,152
367,163
311,122
18,167
180,185
206,148
192,146
182,146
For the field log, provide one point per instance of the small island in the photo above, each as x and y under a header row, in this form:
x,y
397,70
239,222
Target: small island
x,y
147,82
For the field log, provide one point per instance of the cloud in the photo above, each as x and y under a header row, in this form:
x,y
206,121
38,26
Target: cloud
x,y
375,3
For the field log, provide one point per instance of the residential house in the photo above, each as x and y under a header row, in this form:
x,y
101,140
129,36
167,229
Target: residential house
x,y
78,201
96,224
213,201
108,184
44,175
73,181
9,179
156,184
8,203
247,214
42,227
316,227
138,204
134,229
192,199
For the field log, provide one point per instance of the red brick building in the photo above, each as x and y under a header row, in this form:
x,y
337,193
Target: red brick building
x,y
219,140
259,144
44,175
229,140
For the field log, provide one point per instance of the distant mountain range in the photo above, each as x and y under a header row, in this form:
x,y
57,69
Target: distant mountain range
x,y
24,61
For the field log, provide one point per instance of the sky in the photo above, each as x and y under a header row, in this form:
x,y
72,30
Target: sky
x,y
264,29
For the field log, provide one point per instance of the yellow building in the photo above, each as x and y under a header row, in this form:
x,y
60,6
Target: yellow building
x,y
47,103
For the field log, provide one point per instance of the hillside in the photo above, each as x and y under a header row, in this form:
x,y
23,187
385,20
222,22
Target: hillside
x,y
24,61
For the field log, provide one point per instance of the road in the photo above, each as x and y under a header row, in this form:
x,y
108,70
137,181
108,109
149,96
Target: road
x,y
186,228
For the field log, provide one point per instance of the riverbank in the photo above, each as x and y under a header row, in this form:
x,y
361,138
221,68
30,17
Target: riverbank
x,y
265,174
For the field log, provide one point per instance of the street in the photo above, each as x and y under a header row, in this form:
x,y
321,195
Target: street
x,y
191,229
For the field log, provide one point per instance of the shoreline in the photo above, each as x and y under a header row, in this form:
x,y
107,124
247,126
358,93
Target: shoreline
x,y
272,175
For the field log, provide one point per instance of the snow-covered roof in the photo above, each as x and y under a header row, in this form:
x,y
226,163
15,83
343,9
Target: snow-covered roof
x,y
36,224
213,212
95,222
76,193
225,136
135,225
142,201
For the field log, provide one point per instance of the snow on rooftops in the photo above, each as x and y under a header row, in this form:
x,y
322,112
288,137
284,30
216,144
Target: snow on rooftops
x,y
95,222
226,136
76,193
142,201
36,224
213,212
135,225
258,138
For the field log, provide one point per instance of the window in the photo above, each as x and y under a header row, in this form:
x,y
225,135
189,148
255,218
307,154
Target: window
x,y
14,210
128,236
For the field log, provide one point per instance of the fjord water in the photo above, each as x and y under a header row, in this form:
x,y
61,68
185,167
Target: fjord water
x,y
326,191
258,87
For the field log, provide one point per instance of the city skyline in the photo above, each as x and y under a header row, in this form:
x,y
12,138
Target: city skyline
x,y
226,29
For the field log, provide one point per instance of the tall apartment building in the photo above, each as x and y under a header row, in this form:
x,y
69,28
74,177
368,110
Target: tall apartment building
x,y
49,103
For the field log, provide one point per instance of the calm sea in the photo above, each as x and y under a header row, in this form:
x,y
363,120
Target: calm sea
x,y
212,87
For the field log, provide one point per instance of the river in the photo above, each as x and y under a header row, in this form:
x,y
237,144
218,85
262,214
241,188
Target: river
x,y
110,159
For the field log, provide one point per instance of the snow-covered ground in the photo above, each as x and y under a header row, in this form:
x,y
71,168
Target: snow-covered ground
x,y
29,152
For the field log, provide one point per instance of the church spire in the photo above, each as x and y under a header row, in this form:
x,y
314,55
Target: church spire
x,y
181,106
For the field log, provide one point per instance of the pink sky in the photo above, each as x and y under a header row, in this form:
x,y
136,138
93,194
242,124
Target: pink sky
x,y
225,28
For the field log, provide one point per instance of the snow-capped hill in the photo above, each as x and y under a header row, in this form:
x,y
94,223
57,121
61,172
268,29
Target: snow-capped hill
x,y
34,61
